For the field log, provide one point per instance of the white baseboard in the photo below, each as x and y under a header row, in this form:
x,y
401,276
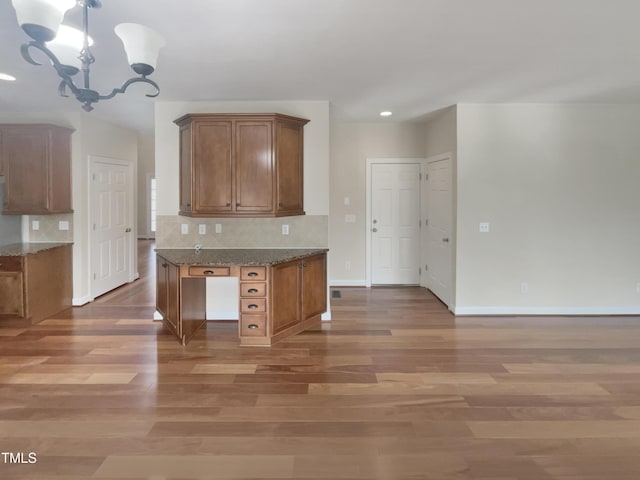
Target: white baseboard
x,y
326,316
634,310
78,302
347,283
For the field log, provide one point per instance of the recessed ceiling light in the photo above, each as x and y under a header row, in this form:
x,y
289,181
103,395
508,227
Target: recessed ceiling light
x,y
8,78
386,113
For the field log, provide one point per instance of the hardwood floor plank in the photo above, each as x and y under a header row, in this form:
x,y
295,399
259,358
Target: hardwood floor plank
x,y
394,387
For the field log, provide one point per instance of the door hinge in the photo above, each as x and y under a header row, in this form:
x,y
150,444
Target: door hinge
x,y
426,267
94,227
420,271
94,276
426,222
420,176
94,177
426,177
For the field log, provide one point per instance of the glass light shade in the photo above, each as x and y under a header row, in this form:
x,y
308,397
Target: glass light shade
x,y
142,45
67,46
40,19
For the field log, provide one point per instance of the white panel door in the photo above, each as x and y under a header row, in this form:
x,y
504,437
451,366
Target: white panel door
x,y
111,233
394,229
438,229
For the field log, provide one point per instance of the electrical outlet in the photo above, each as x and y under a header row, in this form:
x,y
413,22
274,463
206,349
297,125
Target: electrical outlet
x,y
484,227
202,229
63,225
35,225
218,228
285,229
524,288
184,229
347,265
347,201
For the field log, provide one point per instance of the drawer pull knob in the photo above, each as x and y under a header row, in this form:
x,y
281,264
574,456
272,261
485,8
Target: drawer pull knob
x,y
252,274
253,290
208,272
253,306
252,326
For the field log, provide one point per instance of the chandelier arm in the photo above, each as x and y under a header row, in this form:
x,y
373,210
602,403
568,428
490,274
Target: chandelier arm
x,y
59,68
126,84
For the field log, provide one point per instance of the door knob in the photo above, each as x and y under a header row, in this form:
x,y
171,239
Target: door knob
x,y
445,240
375,221
374,230
127,230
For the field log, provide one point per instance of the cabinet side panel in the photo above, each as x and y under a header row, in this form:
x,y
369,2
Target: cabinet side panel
x,y
285,290
289,167
254,166
60,179
46,298
185,169
314,289
212,165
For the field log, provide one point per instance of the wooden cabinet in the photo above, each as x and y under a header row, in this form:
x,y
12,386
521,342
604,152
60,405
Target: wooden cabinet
x,y
167,294
299,292
181,301
36,162
241,165
27,292
276,300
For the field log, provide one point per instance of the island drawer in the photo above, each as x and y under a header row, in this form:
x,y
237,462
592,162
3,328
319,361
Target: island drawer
x,y
253,290
253,325
253,273
209,271
10,264
253,305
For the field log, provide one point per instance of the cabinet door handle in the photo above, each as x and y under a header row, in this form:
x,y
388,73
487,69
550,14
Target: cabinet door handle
x,y
251,290
280,204
208,272
228,204
252,274
253,306
164,265
188,204
252,326
237,204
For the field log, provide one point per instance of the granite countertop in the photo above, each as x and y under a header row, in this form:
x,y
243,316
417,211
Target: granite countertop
x,y
22,249
223,257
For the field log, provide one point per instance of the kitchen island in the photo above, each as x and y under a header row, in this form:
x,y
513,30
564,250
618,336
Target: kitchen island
x,y
282,291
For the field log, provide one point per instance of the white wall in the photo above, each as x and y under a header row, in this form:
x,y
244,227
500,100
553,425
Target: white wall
x,y
559,185
146,169
316,146
351,145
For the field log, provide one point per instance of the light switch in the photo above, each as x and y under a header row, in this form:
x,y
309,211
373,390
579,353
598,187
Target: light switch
x,y
484,227
347,201
218,228
285,229
35,225
184,228
202,229
63,225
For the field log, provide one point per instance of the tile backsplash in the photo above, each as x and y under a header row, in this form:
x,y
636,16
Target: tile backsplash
x,y
305,231
49,228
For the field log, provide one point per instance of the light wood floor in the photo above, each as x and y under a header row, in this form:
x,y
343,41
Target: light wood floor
x,y
394,387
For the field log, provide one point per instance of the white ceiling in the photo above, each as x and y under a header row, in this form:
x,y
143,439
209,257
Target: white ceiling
x,y
364,56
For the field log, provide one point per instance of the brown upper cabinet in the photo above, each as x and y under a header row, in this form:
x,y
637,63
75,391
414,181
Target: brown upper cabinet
x,y
241,165
36,162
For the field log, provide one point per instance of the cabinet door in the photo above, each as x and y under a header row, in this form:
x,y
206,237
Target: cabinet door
x,y
285,289
254,166
212,167
11,298
173,297
289,176
314,286
25,153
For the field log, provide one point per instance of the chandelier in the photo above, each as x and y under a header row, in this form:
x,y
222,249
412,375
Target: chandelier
x,y
69,51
